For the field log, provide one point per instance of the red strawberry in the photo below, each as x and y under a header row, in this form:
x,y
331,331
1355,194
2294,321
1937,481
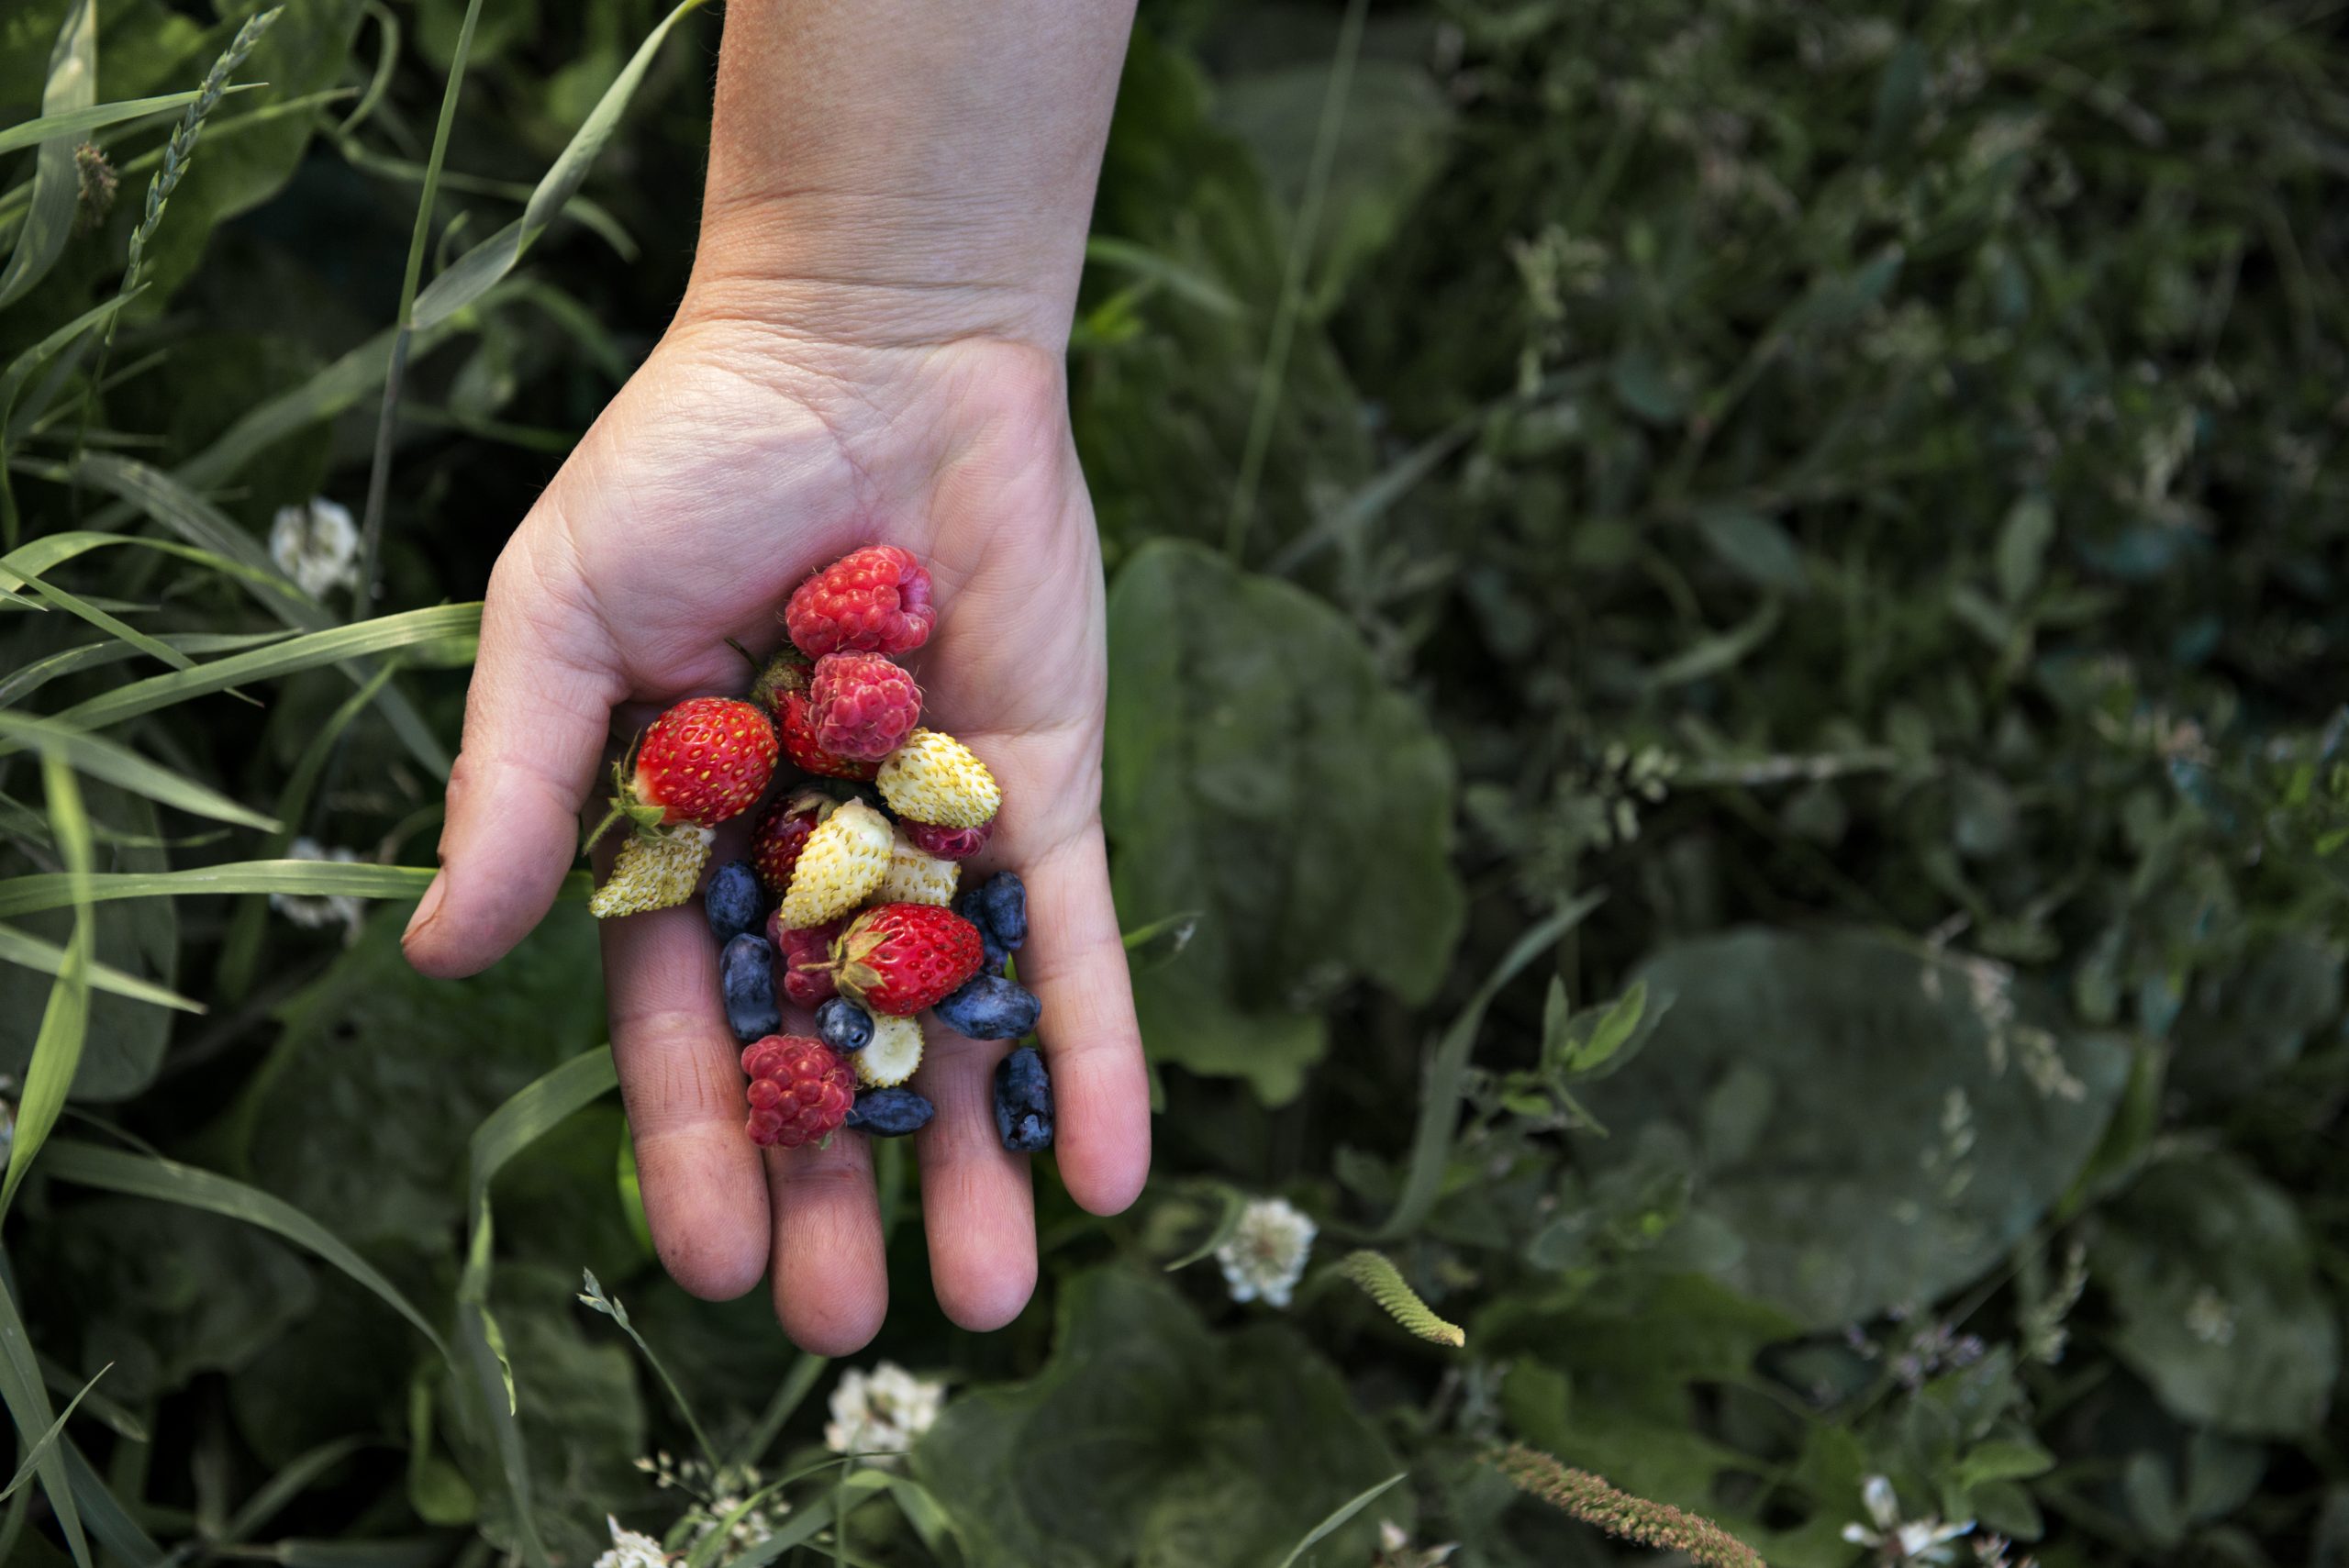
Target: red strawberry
x,y
875,600
800,1090
787,672
781,833
862,705
703,761
797,723
803,965
947,843
901,957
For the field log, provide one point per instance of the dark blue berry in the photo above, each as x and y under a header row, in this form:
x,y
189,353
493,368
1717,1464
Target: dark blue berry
x,y
1023,1101
990,1007
746,980
889,1113
994,955
734,901
1003,897
844,1026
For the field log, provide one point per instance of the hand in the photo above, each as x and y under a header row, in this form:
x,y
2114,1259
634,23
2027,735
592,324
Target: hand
x,y
741,457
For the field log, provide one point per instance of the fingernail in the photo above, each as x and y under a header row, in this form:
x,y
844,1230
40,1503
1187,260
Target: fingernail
x,y
427,908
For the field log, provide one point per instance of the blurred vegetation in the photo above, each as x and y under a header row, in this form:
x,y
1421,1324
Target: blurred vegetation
x,y
1726,744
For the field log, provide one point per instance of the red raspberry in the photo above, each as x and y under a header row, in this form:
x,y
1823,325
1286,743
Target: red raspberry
x,y
800,1090
862,705
803,965
901,957
796,721
875,600
781,833
949,843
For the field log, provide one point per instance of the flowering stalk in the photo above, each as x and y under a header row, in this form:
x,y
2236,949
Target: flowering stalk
x,y
1590,1499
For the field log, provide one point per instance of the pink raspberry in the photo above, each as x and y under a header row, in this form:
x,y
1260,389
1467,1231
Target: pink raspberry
x,y
863,705
949,843
800,1090
875,600
802,965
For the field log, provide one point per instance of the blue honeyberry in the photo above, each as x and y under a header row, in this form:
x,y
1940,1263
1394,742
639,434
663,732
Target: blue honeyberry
x,y
993,955
1023,1101
846,1026
734,901
889,1113
1004,899
990,1007
746,981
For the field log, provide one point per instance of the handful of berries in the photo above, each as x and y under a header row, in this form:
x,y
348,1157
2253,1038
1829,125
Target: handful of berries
x,y
849,902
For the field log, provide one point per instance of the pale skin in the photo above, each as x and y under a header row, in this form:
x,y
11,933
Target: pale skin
x,y
869,350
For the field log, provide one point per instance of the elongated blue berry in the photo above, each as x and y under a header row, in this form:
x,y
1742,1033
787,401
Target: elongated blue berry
x,y
1023,1101
734,901
845,1025
1004,897
746,981
989,1007
890,1113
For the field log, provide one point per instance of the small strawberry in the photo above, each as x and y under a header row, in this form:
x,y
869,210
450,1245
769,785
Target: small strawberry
x,y
875,600
803,964
782,832
949,843
800,1090
935,778
900,958
652,872
917,876
703,761
862,705
796,721
843,860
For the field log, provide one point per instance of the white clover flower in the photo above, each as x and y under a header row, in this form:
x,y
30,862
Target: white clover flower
x,y
328,908
1894,1540
317,545
1267,1250
882,1412
631,1549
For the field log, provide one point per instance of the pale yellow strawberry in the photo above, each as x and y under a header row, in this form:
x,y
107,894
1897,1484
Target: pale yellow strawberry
x,y
655,873
890,1058
917,876
935,778
843,860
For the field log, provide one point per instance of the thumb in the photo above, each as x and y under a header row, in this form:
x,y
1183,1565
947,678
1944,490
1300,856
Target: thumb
x,y
536,715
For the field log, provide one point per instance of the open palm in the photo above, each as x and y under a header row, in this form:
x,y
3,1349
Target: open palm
x,y
736,462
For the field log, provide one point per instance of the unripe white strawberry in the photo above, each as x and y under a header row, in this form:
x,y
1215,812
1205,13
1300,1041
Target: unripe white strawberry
x,y
935,778
917,876
654,870
843,860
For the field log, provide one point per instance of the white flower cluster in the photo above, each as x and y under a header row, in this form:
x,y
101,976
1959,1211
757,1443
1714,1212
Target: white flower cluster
x,y
327,909
719,1494
631,1550
882,1412
317,545
1898,1541
1265,1255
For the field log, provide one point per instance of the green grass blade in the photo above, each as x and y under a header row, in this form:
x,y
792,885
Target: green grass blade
x,y
610,1306
77,123
117,765
75,605
288,1484
535,1109
168,1181
29,951
315,879
308,653
73,84
1440,1098
1337,1520
65,1021
787,1397
26,679
28,1400
48,1443
472,274
108,1519
117,1418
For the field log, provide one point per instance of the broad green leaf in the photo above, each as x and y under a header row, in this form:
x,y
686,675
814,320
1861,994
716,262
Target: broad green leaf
x,y
2021,552
1712,655
1254,752
72,85
2214,1276
472,274
1875,1125
1147,1434
65,1020
77,123
1758,548
144,1175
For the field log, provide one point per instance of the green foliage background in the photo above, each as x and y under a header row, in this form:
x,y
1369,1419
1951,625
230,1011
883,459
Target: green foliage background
x,y
1726,721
